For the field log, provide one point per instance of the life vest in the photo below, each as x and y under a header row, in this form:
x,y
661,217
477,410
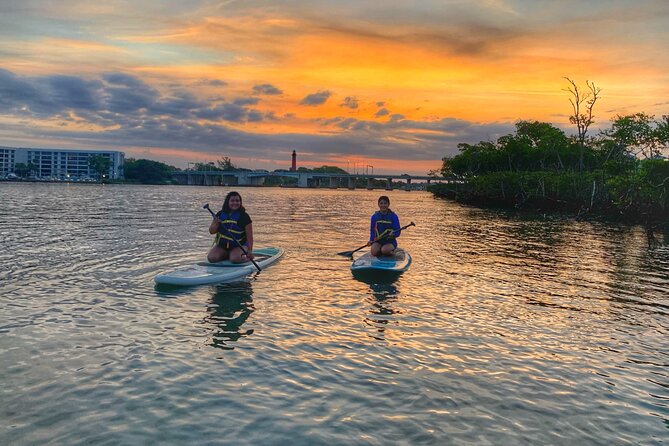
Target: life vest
x,y
383,225
228,228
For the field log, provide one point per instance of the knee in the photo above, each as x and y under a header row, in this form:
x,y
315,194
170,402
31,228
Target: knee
x,y
215,255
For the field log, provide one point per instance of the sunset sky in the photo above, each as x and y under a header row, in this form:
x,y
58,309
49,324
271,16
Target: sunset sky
x,y
391,84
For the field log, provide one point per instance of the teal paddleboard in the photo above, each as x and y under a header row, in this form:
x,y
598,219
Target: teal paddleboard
x,y
397,263
204,272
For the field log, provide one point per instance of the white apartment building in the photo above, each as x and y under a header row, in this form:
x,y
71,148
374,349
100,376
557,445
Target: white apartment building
x,y
58,163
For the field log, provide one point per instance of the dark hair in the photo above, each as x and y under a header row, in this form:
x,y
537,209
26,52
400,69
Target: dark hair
x,y
383,197
226,203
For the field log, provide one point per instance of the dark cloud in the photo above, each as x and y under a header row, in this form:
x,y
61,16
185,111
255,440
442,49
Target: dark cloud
x,y
400,139
246,101
179,104
124,80
17,93
318,98
380,104
135,114
75,93
212,82
229,112
115,99
382,112
126,94
349,102
267,89
254,116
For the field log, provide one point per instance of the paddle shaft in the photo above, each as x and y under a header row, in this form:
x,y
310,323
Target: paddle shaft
x,y
206,206
348,253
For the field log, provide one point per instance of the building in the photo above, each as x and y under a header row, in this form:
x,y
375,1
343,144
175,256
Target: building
x,y
293,165
59,164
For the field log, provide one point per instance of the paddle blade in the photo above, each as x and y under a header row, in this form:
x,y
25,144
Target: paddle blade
x,y
345,253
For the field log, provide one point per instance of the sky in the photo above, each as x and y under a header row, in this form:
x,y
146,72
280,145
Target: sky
x,y
390,85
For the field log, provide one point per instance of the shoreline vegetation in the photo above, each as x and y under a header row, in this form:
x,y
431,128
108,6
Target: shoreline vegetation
x,y
618,174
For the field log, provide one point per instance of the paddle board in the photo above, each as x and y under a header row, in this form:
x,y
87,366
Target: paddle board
x,y
204,272
397,263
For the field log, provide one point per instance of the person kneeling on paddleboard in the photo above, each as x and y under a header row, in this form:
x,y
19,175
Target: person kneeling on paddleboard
x,y
234,230
384,228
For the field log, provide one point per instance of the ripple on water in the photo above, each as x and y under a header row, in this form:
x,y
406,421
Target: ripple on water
x,y
507,329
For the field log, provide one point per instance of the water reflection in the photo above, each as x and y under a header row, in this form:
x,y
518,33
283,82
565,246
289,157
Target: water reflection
x,y
231,305
383,297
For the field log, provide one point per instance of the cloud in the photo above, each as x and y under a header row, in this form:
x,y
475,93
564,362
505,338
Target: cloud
x,y
349,102
16,91
246,101
74,92
382,112
132,113
318,98
213,82
267,89
116,99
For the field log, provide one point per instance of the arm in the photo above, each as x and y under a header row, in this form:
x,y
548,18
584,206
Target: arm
x,y
249,237
213,227
372,234
396,225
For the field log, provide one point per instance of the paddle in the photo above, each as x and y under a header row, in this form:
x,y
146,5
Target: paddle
x,y
350,253
206,206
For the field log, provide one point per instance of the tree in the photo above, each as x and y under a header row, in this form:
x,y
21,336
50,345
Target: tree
x,y
638,136
21,169
582,104
147,171
225,164
100,165
328,169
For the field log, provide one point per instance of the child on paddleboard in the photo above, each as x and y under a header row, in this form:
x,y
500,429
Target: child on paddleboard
x,y
384,229
234,230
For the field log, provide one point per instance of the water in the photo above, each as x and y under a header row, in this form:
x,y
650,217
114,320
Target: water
x,y
505,330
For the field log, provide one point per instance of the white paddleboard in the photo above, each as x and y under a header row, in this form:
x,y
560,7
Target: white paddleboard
x,y
397,263
204,272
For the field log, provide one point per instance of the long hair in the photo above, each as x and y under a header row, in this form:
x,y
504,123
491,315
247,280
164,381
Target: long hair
x,y
226,203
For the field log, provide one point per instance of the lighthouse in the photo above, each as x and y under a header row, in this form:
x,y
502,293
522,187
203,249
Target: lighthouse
x,y
293,166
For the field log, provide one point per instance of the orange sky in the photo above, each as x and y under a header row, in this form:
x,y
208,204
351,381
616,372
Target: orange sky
x,y
396,86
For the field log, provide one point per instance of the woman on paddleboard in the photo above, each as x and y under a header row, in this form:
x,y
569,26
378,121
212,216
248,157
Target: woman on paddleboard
x,y
384,229
233,228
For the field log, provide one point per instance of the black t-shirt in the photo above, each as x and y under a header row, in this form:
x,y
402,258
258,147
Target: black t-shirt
x,y
244,220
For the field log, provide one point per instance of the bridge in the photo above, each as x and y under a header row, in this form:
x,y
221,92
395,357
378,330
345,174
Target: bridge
x,y
304,179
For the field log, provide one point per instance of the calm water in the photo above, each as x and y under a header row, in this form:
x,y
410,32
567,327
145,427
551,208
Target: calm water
x,y
506,329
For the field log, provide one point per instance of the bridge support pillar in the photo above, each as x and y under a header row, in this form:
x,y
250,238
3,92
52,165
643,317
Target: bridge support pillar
x,y
351,183
333,183
389,184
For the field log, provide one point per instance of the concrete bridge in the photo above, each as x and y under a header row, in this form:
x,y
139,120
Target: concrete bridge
x,y
304,179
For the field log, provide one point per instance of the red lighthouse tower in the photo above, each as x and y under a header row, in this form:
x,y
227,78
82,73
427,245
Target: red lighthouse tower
x,y
293,166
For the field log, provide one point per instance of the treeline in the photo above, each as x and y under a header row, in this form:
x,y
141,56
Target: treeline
x,y
145,171
620,171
